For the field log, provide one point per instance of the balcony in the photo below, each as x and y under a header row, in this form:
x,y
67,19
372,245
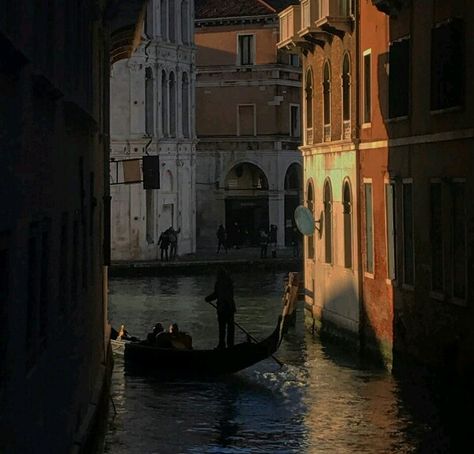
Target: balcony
x,y
335,17
321,19
290,20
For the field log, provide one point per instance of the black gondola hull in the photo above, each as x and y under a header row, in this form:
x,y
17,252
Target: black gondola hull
x,y
145,358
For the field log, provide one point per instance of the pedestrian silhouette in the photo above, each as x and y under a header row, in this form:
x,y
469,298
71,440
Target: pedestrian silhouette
x,y
221,239
164,243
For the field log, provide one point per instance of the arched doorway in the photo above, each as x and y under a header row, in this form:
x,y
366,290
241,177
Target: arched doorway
x,y
246,204
293,189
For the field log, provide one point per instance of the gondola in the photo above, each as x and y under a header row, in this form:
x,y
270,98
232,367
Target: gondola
x,y
140,357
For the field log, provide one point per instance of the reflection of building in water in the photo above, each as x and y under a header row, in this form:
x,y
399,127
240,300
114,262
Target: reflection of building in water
x,y
152,109
248,165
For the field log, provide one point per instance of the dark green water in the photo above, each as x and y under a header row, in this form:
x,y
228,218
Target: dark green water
x,y
322,401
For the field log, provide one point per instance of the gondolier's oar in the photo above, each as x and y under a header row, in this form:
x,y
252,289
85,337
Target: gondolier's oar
x,y
249,335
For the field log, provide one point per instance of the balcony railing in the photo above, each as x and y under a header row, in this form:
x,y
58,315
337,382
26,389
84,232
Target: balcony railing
x,y
346,129
336,16
290,20
309,136
327,133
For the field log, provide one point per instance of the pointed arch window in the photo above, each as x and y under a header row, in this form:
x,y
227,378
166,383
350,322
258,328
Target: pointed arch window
x,y
149,104
347,214
184,22
172,21
310,206
327,101
172,110
346,97
327,201
309,106
164,104
164,17
185,113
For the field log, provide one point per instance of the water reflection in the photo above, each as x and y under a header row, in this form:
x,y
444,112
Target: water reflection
x,y
322,400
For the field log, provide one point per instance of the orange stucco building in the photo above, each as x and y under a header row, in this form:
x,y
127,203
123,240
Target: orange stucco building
x,y
396,122
248,166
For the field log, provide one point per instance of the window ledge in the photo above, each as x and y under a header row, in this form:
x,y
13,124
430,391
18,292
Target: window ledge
x,y
366,125
397,119
447,110
369,275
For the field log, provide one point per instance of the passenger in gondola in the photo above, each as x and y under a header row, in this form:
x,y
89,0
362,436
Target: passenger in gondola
x,y
157,329
224,294
180,339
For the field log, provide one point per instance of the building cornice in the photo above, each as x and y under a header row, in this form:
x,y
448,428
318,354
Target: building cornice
x,y
236,20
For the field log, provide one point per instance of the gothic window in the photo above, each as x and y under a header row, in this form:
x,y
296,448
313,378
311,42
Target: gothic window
x,y
184,22
185,113
347,214
149,105
309,106
327,201
346,97
164,22
310,206
327,101
172,21
164,104
172,111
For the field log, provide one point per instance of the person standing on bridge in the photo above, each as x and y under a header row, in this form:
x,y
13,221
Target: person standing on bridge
x,y
224,294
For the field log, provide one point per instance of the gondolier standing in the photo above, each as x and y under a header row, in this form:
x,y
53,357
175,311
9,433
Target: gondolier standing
x,y
224,294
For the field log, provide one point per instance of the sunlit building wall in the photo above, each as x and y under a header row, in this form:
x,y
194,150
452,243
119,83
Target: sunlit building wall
x,y
323,33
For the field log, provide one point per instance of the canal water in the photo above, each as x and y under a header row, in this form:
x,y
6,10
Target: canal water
x,y
322,401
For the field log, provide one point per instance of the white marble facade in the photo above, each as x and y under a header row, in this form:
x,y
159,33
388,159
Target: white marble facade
x,y
152,113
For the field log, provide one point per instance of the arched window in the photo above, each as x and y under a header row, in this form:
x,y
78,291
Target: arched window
x,y
347,213
172,95
185,112
184,22
164,104
346,97
172,21
309,99
327,200
327,101
164,17
310,205
149,104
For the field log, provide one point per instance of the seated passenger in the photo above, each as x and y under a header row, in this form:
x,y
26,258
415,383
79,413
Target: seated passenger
x,y
157,329
180,339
